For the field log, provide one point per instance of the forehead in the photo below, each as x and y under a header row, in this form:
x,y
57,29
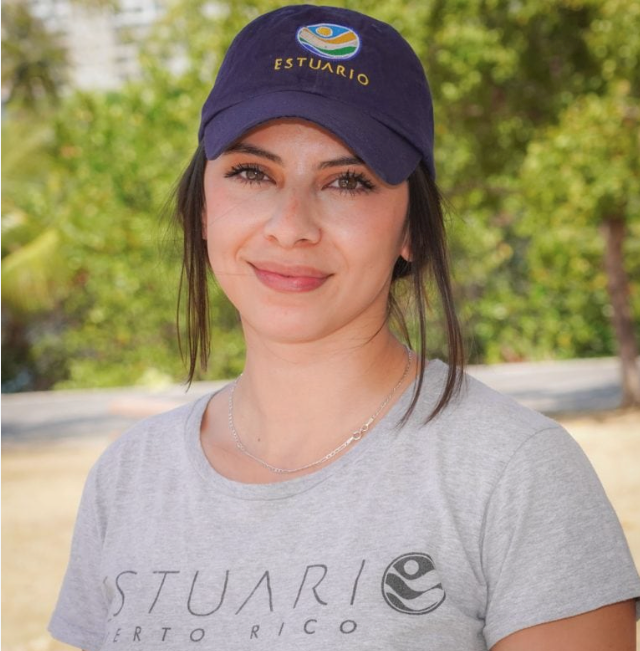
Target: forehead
x,y
293,132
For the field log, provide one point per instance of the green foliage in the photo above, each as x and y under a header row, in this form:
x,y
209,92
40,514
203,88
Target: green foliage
x,y
117,156
511,77
29,284
121,154
33,275
587,167
577,173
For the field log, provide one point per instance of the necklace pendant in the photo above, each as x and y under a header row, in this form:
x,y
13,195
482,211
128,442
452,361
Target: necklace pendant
x,y
357,435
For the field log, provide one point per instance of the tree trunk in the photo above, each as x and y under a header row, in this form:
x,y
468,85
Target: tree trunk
x,y
618,287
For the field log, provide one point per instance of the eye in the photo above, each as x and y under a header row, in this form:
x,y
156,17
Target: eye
x,y
351,182
248,173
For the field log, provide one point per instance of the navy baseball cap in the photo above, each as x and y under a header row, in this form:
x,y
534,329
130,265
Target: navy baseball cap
x,y
343,70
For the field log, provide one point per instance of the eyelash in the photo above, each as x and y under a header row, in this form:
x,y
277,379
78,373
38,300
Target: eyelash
x,y
366,185
236,170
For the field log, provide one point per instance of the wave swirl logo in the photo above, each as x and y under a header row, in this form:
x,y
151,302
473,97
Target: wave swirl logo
x,y
329,41
411,584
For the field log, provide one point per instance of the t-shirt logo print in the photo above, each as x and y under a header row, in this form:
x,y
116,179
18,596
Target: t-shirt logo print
x,y
411,584
329,41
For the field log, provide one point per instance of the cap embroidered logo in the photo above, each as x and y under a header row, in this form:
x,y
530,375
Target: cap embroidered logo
x,y
329,41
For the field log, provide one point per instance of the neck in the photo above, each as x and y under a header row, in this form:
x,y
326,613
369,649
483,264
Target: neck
x,y
296,403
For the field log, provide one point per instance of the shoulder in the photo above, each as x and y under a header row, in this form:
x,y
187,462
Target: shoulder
x,y
482,432
481,419
529,508
487,410
151,445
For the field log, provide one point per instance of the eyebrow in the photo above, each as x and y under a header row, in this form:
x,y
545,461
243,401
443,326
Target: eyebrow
x,y
247,148
345,160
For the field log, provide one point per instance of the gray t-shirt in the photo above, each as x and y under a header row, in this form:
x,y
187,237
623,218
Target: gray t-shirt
x,y
445,537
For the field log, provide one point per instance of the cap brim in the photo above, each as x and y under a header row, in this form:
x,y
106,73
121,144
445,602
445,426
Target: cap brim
x,y
387,153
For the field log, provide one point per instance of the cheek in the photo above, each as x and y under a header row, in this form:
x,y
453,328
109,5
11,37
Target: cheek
x,y
219,229
379,230
221,245
228,223
223,266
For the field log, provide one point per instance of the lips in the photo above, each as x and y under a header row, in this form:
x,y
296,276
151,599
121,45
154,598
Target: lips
x,y
286,278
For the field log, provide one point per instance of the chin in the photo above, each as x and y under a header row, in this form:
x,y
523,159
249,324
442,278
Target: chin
x,y
304,326
289,329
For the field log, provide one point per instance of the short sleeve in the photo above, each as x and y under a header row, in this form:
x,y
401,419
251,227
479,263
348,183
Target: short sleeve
x,y
552,545
81,612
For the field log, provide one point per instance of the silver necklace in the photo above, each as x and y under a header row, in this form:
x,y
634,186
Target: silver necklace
x,y
355,436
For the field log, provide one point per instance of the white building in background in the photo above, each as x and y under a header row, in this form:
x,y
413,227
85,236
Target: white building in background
x,y
102,44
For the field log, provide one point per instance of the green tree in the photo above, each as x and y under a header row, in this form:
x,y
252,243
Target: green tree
x,y
120,154
504,74
585,173
34,63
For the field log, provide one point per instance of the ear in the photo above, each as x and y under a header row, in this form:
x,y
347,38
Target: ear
x,y
405,250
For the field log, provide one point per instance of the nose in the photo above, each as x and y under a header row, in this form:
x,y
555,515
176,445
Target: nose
x,y
292,221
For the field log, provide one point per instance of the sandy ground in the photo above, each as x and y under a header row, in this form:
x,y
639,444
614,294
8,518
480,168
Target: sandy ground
x,y
41,486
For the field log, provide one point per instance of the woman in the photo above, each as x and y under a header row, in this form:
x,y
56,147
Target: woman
x,y
344,492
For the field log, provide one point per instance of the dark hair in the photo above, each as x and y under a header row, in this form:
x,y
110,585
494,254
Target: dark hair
x,y
429,262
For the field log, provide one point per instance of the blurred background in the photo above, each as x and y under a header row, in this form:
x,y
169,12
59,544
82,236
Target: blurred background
x,y
538,153
537,118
